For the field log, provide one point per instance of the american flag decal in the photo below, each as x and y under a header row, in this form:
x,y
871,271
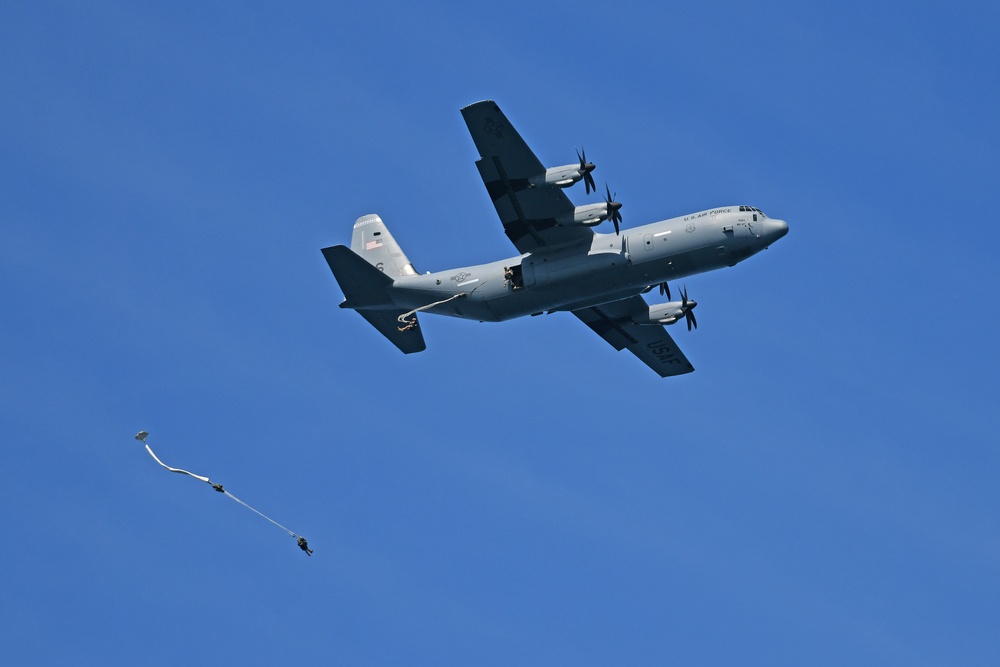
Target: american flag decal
x,y
371,245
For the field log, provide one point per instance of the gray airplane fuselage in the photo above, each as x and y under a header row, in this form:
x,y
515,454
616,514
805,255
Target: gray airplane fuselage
x,y
608,268
564,265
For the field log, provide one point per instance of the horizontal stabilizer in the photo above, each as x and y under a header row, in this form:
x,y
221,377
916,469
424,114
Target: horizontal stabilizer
x,y
409,340
363,285
364,289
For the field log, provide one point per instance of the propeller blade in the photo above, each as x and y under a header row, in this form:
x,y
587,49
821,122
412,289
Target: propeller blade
x,y
613,215
585,169
665,289
688,311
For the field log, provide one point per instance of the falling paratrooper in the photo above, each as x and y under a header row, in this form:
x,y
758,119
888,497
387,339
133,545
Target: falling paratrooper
x,y
300,540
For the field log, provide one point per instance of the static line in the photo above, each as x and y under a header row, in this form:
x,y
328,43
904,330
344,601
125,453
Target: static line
x,y
409,324
261,514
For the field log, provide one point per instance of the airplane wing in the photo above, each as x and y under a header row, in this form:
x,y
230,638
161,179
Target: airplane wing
x,y
528,213
652,344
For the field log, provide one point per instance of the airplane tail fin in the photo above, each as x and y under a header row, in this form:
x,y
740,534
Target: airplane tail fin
x,y
364,287
372,241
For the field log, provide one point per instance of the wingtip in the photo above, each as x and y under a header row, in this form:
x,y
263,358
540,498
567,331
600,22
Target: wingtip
x,y
480,103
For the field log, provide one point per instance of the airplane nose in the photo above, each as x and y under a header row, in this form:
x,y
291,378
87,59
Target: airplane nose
x,y
774,230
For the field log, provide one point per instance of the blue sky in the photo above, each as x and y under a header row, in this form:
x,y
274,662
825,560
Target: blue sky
x,y
822,490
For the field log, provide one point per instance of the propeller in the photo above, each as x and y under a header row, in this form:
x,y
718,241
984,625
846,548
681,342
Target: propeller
x,y
585,169
665,289
613,207
688,308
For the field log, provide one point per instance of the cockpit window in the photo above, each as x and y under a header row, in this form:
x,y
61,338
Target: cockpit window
x,y
751,209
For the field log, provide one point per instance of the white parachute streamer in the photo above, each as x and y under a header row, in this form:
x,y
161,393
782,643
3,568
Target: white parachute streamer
x,y
156,458
141,437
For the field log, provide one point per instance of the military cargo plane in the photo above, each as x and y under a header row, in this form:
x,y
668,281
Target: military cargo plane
x,y
564,264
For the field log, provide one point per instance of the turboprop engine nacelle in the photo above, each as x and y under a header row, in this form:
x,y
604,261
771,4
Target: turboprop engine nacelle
x,y
589,215
562,177
662,313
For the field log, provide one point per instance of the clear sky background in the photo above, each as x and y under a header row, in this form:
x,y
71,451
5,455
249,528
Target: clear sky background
x,y
822,490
